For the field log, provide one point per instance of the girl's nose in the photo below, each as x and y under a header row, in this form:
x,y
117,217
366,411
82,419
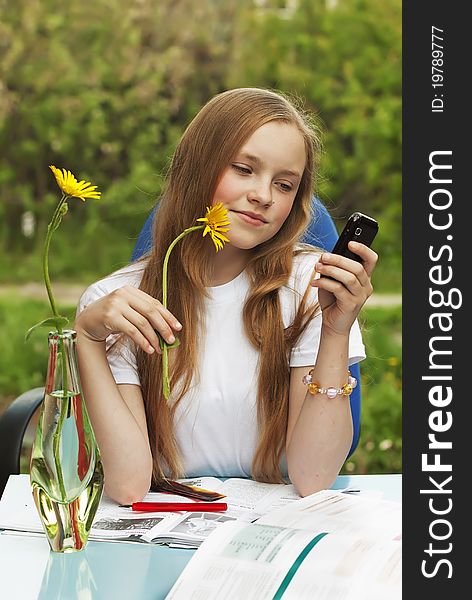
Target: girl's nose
x,y
261,194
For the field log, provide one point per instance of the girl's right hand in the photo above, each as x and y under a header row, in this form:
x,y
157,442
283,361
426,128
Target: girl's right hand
x,y
130,311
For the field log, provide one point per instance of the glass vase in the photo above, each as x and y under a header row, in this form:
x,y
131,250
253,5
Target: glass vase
x,y
66,472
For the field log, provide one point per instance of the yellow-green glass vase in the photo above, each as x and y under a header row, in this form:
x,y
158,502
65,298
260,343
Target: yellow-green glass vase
x,y
66,472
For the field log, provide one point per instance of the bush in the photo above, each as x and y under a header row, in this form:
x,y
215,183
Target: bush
x,y
24,364
380,444
106,88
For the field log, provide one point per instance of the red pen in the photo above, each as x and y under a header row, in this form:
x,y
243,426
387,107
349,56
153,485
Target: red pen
x,y
178,506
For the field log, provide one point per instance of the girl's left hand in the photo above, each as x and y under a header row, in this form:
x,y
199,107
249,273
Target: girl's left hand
x,y
343,293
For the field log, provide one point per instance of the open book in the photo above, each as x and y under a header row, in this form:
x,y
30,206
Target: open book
x,y
325,546
247,500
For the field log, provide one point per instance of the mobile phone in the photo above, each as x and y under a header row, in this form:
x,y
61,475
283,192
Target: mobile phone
x,y
359,228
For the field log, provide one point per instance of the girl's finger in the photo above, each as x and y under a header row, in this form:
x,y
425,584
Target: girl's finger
x,y
338,289
347,264
134,334
369,257
349,280
154,305
150,328
155,312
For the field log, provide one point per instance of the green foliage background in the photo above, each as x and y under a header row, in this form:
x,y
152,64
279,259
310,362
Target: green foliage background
x,y
106,87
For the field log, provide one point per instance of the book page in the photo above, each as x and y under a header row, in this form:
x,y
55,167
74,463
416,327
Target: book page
x,y
188,528
240,560
252,499
331,510
349,568
258,562
247,500
114,522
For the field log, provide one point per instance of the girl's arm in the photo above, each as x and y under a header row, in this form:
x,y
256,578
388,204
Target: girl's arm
x,y
319,430
119,423
117,411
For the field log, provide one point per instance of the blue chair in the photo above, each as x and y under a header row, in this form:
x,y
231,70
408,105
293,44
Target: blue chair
x,y
321,233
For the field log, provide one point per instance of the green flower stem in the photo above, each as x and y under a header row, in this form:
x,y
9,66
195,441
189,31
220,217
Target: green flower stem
x,y
56,438
166,260
165,356
51,227
57,216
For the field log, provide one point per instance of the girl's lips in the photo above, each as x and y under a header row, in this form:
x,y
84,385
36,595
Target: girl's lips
x,y
250,220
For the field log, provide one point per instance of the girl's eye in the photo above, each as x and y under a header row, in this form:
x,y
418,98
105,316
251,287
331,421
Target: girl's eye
x,y
286,187
241,169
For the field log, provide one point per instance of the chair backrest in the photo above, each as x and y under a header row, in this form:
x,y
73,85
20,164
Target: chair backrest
x,y
321,233
13,424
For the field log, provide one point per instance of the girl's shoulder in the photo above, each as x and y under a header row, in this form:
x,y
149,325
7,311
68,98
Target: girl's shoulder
x,y
129,275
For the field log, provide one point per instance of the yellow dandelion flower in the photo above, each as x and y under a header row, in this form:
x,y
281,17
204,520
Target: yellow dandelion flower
x,y
216,220
71,187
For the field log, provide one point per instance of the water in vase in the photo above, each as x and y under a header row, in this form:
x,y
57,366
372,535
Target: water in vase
x,y
66,472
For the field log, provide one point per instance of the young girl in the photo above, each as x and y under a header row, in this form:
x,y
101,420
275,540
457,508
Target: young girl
x,y
253,319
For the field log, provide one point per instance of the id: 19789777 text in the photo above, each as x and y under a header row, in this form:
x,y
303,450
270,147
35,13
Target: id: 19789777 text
x,y
437,71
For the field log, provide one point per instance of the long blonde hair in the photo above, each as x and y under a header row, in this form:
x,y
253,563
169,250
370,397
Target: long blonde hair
x,y
206,148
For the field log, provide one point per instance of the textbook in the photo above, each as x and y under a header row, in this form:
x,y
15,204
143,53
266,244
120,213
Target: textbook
x,y
325,546
247,500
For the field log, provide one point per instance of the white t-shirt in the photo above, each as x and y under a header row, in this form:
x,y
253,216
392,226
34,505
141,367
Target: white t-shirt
x,y
216,423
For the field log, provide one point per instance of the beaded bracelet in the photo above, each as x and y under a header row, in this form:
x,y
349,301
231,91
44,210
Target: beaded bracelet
x,y
315,388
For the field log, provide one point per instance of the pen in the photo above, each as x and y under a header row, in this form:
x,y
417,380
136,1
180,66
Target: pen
x,y
177,506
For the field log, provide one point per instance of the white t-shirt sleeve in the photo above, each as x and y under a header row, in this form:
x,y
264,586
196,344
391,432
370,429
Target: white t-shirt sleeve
x,y
305,352
120,353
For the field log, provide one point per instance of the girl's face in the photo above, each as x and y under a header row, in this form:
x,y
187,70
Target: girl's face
x,y
259,187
